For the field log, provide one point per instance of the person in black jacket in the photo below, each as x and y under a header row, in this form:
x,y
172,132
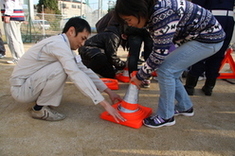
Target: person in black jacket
x,y
100,51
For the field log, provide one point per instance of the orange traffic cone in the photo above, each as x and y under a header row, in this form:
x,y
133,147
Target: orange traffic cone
x,y
228,59
124,76
129,109
111,83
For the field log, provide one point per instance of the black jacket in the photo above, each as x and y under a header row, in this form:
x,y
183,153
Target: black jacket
x,y
107,43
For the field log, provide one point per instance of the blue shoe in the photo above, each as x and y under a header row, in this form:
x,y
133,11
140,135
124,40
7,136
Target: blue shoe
x,y
188,112
156,122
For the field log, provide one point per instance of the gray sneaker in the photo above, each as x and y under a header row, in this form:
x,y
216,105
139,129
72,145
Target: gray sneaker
x,y
14,61
47,114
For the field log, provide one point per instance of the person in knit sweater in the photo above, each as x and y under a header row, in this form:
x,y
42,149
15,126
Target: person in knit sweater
x,y
196,32
13,16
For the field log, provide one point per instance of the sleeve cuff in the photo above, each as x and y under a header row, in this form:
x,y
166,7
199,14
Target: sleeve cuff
x,y
138,77
97,99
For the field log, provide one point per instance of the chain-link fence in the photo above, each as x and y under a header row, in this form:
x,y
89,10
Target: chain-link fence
x,y
42,26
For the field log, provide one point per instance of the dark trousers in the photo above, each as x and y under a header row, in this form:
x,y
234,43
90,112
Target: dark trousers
x,y
135,41
2,47
100,65
211,65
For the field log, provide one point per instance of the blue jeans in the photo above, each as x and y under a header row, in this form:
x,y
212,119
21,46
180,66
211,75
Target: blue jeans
x,y
169,72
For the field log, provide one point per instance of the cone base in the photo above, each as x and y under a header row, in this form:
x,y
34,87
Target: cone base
x,y
111,83
122,78
134,120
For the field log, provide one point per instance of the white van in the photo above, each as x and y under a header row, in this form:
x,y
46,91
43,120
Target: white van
x,y
41,24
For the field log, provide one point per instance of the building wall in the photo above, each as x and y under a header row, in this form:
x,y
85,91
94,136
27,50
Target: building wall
x,y
71,9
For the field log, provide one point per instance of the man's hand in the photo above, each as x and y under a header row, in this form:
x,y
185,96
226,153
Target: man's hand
x,y
113,96
7,19
112,111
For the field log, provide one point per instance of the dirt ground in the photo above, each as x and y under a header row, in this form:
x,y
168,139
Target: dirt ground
x,y
210,132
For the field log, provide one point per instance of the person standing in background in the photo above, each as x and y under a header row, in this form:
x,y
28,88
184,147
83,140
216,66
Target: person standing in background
x,y
13,16
223,12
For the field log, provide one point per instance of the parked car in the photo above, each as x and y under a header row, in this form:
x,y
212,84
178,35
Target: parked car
x,y
41,24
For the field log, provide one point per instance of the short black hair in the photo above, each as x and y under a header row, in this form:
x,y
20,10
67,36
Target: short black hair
x,y
78,23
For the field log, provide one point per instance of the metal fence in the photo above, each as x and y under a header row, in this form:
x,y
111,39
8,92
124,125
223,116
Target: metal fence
x,y
42,26
53,24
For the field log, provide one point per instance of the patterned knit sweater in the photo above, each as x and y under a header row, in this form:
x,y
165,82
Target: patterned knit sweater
x,y
12,8
177,22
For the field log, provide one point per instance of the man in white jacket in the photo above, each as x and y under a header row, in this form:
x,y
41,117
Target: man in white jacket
x,y
13,16
41,73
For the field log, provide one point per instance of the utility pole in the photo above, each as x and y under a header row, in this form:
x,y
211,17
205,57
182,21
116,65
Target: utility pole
x,y
30,21
110,4
100,7
43,22
81,9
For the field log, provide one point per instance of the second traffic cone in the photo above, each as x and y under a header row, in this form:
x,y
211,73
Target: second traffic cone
x,y
111,83
124,76
129,108
229,60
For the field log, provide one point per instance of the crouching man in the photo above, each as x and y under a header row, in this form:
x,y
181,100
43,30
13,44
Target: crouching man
x,y
40,74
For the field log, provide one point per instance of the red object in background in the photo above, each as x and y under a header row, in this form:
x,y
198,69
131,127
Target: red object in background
x,y
111,83
124,76
228,59
154,73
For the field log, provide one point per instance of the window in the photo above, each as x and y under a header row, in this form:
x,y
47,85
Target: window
x,y
63,5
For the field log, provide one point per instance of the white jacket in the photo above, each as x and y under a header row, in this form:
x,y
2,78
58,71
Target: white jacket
x,y
53,49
